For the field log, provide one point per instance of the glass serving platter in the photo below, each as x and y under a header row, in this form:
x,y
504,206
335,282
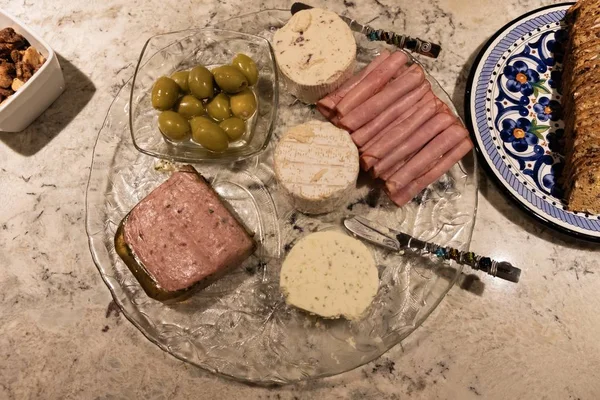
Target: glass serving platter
x,y
240,326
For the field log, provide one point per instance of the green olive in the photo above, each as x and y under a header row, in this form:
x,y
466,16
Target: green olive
x,y
196,122
182,79
243,105
173,125
234,128
189,106
247,66
230,79
218,108
164,93
201,82
211,137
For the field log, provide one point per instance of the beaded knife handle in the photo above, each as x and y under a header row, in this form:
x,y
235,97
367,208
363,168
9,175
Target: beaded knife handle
x,y
501,269
394,240
415,45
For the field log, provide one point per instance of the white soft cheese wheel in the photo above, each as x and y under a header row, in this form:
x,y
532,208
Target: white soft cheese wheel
x,y
317,164
330,274
315,52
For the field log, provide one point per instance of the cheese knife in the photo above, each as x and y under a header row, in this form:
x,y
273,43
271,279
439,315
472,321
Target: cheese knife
x,y
415,45
397,241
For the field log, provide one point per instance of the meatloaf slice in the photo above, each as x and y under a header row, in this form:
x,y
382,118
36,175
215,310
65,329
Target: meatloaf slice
x,y
180,235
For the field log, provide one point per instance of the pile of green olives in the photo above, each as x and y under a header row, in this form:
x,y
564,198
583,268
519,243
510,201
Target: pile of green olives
x,y
211,106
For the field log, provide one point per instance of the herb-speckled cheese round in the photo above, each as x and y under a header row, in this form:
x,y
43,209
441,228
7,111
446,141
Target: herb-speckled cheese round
x,y
317,165
330,274
315,52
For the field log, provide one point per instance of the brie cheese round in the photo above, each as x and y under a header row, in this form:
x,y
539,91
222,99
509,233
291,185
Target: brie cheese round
x,y
315,52
330,274
317,165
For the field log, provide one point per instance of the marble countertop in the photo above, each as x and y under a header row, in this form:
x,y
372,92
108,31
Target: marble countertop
x,y
62,337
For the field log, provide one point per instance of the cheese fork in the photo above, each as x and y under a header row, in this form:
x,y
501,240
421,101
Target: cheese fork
x,y
397,241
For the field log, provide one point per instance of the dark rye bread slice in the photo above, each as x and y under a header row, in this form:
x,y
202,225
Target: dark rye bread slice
x,y
580,124
581,164
583,108
582,136
586,72
576,166
585,166
581,20
582,56
586,154
580,106
583,151
585,131
581,97
585,37
584,194
580,83
582,12
181,237
585,75
581,148
578,121
587,19
577,49
580,114
586,86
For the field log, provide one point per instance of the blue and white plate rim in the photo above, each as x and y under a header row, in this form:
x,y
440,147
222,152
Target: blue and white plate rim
x,y
551,215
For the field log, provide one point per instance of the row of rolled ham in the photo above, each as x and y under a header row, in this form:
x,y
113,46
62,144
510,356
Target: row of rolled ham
x,y
405,134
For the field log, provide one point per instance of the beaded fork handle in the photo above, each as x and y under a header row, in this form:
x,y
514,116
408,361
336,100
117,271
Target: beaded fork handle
x,y
501,269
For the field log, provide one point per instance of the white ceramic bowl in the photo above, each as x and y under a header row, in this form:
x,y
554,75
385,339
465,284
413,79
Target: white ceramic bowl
x,y
33,98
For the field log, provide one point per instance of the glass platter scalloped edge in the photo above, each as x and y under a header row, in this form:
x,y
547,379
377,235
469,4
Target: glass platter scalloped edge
x,y
544,206
134,315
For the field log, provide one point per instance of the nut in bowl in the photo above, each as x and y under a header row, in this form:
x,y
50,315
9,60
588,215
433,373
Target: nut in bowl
x,y
30,75
204,95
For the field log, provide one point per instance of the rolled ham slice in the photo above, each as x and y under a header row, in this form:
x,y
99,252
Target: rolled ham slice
x,y
402,196
335,120
437,147
415,142
386,175
401,71
326,112
327,104
425,99
400,133
429,96
377,104
390,115
367,161
372,83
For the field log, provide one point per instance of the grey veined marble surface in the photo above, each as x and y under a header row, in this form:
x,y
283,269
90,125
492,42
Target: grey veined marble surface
x,y
61,337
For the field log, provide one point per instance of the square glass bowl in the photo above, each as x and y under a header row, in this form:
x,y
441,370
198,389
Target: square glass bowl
x,y
166,53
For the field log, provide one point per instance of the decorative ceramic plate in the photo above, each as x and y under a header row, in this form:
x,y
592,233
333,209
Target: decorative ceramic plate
x,y
241,326
513,107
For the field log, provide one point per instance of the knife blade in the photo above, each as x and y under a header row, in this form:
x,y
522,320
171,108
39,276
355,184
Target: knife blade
x,y
415,45
391,239
370,235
